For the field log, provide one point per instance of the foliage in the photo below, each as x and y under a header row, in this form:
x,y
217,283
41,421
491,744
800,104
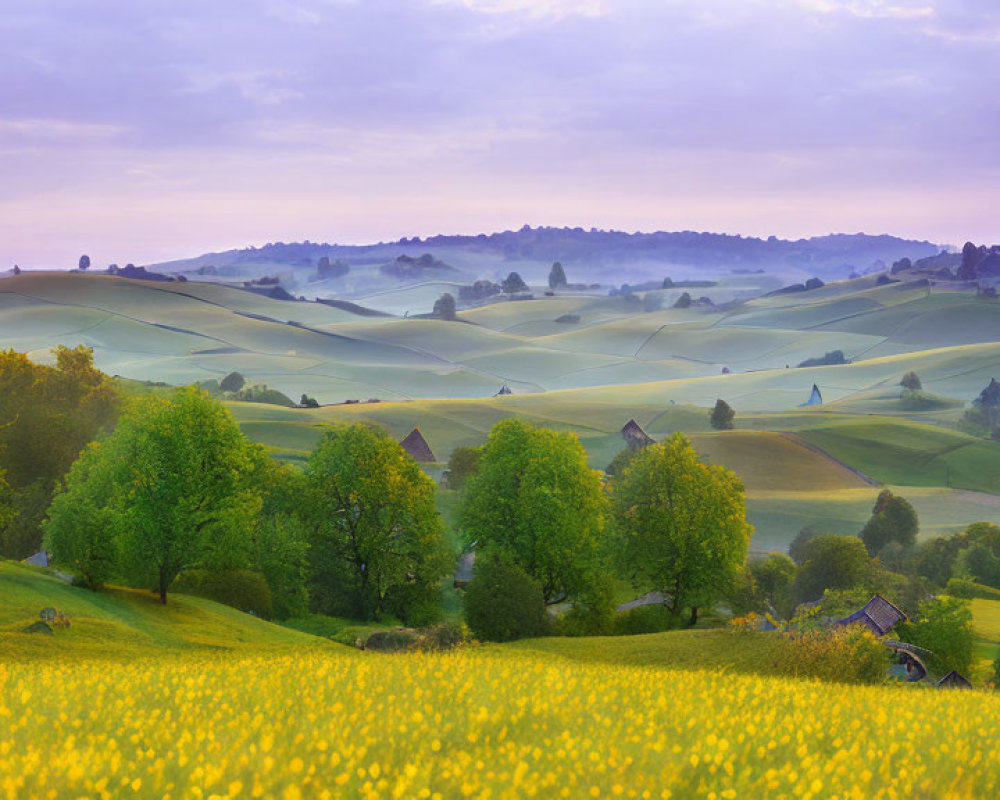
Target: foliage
x,y
233,382
444,307
645,619
503,602
773,578
513,283
684,301
944,626
722,415
798,548
84,263
535,501
620,462
832,562
464,462
80,527
893,520
936,557
681,523
970,590
262,393
241,589
308,402
180,472
373,527
833,357
911,381
47,416
557,276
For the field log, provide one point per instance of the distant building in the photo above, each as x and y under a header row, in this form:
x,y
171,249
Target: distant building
x,y
879,616
815,398
505,389
416,445
954,680
634,436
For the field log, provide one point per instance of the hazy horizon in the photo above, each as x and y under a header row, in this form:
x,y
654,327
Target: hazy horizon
x,y
151,132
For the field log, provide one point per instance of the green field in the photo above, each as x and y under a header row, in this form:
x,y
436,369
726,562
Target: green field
x,y
818,465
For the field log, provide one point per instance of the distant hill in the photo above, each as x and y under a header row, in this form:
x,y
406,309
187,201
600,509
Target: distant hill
x,y
588,253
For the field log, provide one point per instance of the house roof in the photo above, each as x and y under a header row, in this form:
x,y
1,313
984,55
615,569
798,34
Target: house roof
x,y
879,615
954,680
633,434
416,445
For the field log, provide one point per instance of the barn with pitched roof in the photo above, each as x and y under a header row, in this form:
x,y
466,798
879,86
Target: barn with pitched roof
x,y
416,445
634,436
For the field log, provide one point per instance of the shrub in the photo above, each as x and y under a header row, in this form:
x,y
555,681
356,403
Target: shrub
x,y
944,627
242,589
390,641
722,415
503,602
645,619
970,590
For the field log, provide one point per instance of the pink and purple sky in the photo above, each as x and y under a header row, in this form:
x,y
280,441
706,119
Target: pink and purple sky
x,y
143,131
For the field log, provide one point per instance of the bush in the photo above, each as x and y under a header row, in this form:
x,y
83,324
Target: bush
x,y
503,602
970,590
390,641
645,619
242,589
944,627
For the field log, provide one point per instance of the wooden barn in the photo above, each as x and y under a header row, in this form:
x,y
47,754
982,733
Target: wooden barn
x,y
634,436
416,445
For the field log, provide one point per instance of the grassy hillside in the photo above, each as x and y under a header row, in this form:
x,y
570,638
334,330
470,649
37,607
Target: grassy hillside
x,y
125,623
194,700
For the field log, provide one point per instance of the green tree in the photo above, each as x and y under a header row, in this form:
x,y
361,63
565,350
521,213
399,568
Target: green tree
x,y
557,276
48,414
943,626
184,472
668,283
681,523
773,579
832,562
503,602
233,382
911,381
621,462
893,520
722,415
513,283
684,301
374,530
80,527
463,463
535,502
799,546
84,263
444,307
279,537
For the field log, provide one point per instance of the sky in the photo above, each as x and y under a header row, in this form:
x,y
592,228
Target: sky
x,y
145,131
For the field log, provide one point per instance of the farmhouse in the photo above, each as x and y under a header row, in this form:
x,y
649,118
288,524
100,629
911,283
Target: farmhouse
x,y
416,445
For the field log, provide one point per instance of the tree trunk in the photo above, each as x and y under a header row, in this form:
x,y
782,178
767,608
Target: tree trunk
x,y
163,587
694,616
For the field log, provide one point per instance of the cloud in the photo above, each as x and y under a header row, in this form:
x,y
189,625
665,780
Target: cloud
x,y
544,110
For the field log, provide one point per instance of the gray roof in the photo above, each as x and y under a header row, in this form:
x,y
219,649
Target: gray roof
x,y
879,615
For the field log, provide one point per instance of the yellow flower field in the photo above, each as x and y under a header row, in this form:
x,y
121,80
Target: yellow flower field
x,y
477,723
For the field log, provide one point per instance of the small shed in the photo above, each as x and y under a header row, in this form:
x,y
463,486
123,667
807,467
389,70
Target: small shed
x,y
815,398
505,389
879,615
634,436
953,680
416,445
